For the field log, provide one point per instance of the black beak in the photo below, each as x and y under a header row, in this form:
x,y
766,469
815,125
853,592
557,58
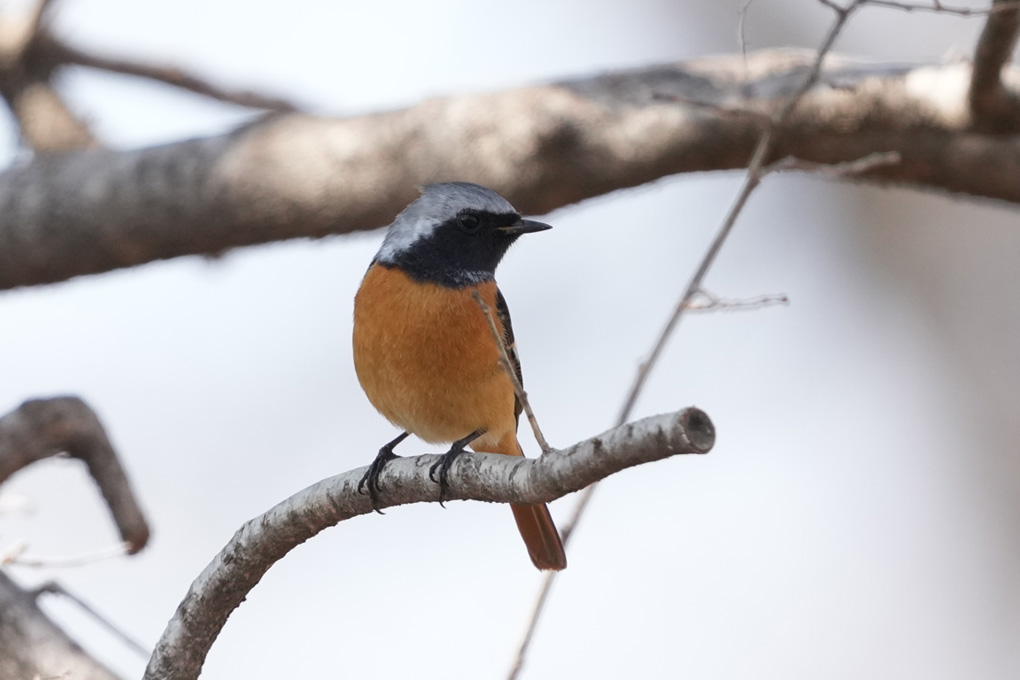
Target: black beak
x,y
524,227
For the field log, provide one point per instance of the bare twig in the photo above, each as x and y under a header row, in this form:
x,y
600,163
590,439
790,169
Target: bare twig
x,y
262,541
508,367
54,588
848,169
35,647
741,24
993,107
939,8
42,428
16,556
751,180
706,302
176,77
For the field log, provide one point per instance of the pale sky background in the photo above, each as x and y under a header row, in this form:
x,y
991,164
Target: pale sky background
x,y
857,518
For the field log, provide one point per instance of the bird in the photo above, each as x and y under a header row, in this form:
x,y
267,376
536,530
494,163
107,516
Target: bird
x,y
424,352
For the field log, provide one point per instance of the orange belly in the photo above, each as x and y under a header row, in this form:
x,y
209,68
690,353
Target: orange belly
x,y
427,360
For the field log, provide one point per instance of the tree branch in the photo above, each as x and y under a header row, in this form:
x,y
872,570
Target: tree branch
x,y
292,176
170,75
994,108
54,588
45,120
42,428
508,368
262,541
32,646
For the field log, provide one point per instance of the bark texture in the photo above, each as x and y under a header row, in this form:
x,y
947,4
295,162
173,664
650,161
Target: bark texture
x,y
264,540
291,175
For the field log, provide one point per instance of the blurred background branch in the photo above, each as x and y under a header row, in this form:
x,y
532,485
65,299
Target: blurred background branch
x,y
31,645
993,104
32,57
289,176
41,428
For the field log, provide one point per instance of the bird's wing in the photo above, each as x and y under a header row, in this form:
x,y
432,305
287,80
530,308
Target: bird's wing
x,y
503,314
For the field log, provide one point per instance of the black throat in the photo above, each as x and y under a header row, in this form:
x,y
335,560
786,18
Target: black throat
x,y
432,272
455,257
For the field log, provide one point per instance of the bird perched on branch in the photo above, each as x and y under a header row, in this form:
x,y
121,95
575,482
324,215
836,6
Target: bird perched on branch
x,y
423,348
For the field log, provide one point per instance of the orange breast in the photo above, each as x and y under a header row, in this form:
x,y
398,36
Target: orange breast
x,y
427,360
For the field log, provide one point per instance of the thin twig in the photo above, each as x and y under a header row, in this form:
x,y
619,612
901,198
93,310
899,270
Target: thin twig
x,y
14,556
171,76
508,367
713,107
848,169
751,180
706,302
54,588
741,22
937,7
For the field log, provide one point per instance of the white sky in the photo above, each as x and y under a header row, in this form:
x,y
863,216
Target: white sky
x,y
857,518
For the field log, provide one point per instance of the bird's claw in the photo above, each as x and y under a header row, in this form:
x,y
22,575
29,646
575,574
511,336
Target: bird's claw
x,y
371,476
443,465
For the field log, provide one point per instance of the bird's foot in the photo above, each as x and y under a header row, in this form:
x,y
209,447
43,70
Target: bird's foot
x,y
371,476
445,462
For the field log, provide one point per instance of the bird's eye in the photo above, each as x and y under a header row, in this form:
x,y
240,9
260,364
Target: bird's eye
x,y
469,222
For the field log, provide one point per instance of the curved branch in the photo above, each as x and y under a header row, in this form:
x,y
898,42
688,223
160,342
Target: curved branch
x,y
41,428
292,175
257,545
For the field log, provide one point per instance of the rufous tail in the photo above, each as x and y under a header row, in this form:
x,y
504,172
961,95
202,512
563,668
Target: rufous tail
x,y
535,523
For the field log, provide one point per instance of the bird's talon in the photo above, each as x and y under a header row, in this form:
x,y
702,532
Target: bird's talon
x,y
371,476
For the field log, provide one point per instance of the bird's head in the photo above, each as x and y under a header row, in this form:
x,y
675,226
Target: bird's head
x,y
455,234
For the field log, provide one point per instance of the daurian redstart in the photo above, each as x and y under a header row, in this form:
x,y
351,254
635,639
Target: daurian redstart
x,y
423,349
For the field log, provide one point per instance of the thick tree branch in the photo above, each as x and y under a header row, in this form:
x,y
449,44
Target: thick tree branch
x,y
292,176
995,109
262,541
42,428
